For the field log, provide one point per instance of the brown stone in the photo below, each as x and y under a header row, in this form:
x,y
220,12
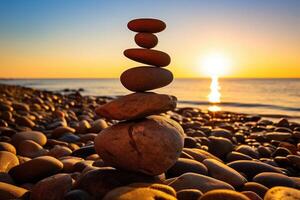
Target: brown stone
x,y
146,40
137,105
4,146
98,125
8,191
251,168
148,56
52,188
283,193
129,193
59,131
255,187
24,121
224,173
150,145
252,195
199,182
271,179
184,165
36,136
199,154
31,149
59,151
189,194
140,79
98,182
278,136
147,25
8,160
224,194
35,169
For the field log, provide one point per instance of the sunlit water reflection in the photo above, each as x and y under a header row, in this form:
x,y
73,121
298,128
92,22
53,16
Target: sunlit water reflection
x,y
214,96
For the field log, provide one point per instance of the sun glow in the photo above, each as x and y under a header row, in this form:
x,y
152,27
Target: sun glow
x,y
215,64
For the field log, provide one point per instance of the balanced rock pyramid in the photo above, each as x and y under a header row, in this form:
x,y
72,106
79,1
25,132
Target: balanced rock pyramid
x,y
142,141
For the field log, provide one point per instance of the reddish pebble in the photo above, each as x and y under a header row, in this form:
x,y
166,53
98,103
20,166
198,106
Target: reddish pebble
x,y
147,56
146,40
146,25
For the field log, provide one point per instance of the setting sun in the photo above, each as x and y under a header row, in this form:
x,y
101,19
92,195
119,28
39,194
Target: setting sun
x,y
215,64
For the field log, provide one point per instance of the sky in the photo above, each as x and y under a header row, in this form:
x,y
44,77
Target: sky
x,y
86,39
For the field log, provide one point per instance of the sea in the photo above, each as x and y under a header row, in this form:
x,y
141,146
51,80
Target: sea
x,y
270,98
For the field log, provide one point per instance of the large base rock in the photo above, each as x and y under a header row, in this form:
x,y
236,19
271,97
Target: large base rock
x,y
151,145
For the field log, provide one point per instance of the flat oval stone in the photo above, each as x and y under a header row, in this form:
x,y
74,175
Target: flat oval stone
x,y
36,136
278,136
147,25
4,146
224,173
8,191
52,188
189,194
146,40
137,105
255,187
271,179
223,194
8,160
148,56
252,168
184,165
251,195
140,79
100,181
31,149
35,169
199,182
283,193
129,193
150,145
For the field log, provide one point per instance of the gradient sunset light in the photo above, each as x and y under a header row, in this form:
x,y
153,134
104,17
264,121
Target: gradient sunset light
x,y
86,39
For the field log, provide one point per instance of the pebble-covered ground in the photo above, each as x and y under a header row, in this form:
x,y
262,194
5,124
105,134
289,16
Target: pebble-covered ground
x,y
47,152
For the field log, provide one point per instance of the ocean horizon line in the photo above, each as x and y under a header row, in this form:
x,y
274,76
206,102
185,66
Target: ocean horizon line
x,y
181,78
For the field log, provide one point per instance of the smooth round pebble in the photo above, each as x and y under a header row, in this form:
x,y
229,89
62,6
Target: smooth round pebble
x,y
282,193
251,168
148,56
36,136
4,146
224,173
8,191
35,169
189,194
224,194
129,193
148,25
52,188
150,145
184,165
140,79
199,182
137,105
270,179
146,40
8,160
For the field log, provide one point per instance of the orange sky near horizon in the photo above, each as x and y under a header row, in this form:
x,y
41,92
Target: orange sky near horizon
x,y
265,44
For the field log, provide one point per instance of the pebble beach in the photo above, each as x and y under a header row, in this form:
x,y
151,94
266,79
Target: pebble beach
x,y
140,146
47,147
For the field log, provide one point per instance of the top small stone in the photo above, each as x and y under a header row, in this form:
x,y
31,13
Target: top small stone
x,y
147,25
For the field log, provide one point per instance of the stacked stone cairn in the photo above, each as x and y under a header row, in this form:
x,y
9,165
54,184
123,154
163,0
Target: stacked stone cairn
x,y
142,141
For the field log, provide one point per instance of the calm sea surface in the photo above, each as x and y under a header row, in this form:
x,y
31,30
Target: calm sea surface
x,y
269,97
